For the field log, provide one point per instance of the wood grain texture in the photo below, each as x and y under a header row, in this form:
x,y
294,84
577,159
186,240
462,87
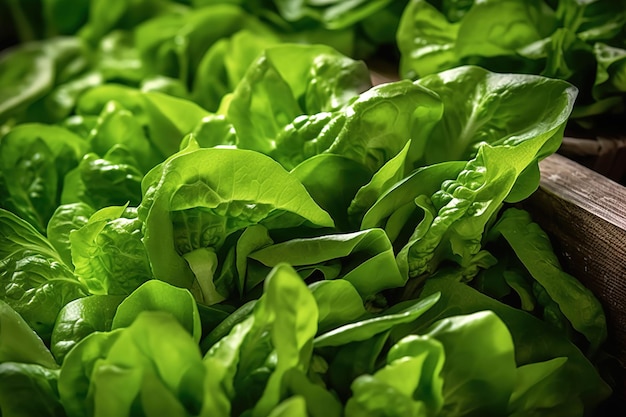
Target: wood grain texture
x,y
585,215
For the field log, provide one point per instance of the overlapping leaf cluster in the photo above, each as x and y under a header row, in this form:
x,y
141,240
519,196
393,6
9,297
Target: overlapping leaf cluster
x,y
581,41
200,218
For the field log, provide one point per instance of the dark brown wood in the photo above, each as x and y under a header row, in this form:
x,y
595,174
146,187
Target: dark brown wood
x,y
585,215
606,155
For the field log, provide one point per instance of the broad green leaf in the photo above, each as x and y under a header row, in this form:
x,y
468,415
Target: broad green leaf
x,y
492,112
382,180
234,272
426,39
534,381
27,75
221,363
34,158
332,181
65,219
153,365
112,180
28,389
34,281
381,121
319,401
78,366
365,329
174,44
367,258
291,407
534,340
31,73
352,360
155,295
166,119
500,27
611,76
79,318
118,126
479,371
402,196
292,311
338,303
409,385
108,253
193,195
287,81
225,64
19,343
532,245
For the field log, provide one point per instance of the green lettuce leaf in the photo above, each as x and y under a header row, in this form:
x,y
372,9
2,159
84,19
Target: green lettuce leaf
x,y
189,192
532,245
34,159
34,281
108,254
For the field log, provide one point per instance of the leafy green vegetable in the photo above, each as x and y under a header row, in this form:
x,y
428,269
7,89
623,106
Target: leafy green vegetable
x,y
578,374
18,342
532,246
159,296
365,329
108,254
65,219
321,80
559,39
34,280
29,390
34,159
417,378
237,223
367,258
154,355
30,74
79,318
203,209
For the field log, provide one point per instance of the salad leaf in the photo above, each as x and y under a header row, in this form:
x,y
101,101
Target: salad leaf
x,y
460,298
34,159
334,190
363,330
31,73
556,39
117,127
370,130
79,318
204,209
491,114
65,219
19,343
157,295
290,80
174,44
533,247
417,379
368,261
108,253
34,281
225,64
167,119
29,389
102,182
292,329
154,355
338,302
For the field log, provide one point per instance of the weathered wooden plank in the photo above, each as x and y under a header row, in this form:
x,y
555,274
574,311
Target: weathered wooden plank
x,y
585,215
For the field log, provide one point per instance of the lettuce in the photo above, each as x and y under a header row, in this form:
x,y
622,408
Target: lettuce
x,y
206,209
